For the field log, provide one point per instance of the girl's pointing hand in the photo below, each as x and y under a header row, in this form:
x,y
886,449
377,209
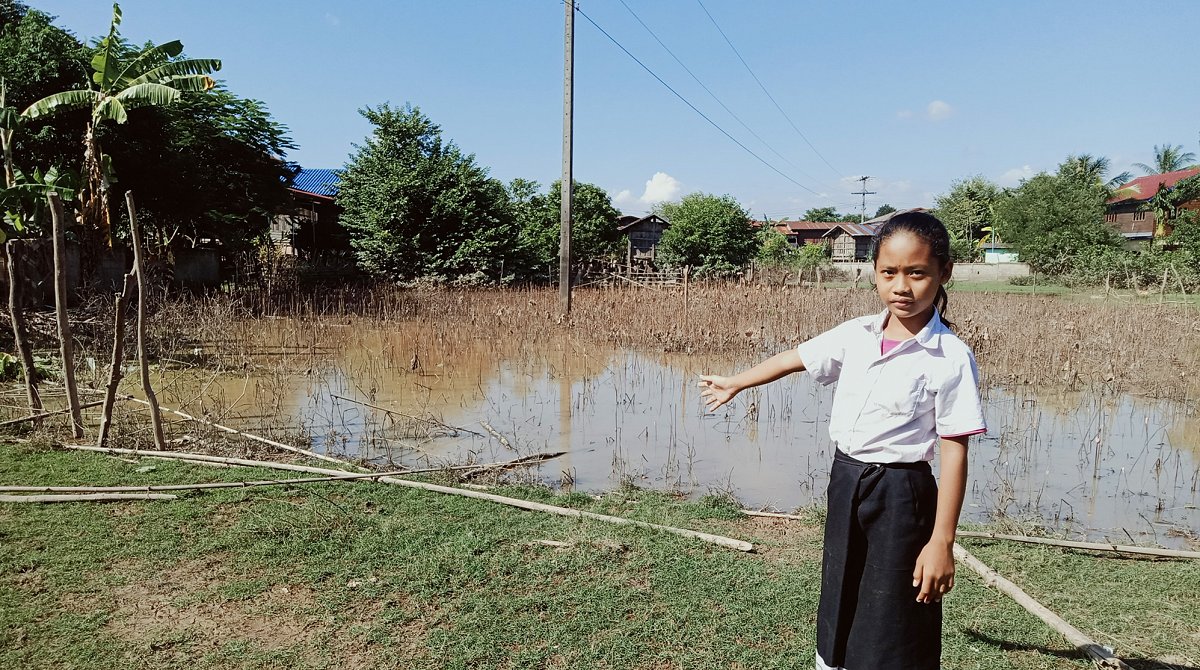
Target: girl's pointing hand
x,y
717,391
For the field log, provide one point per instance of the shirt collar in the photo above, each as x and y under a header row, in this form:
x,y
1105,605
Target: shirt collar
x,y
928,337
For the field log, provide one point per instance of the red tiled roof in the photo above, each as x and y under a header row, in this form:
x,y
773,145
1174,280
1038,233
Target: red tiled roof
x,y
1144,188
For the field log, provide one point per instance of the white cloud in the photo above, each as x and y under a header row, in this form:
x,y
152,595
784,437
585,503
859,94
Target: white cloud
x,y
332,20
939,110
1014,176
662,187
904,114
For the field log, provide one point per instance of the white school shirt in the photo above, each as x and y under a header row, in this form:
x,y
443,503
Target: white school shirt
x,y
893,408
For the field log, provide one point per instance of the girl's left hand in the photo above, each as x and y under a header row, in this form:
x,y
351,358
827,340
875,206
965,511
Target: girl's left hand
x,y
934,572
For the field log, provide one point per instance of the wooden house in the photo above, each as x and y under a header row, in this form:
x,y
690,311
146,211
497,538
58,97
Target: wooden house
x,y
1128,210
851,241
642,235
799,233
312,225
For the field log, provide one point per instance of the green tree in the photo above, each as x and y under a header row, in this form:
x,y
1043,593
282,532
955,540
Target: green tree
x,y
1168,158
593,227
37,59
774,248
821,214
210,166
708,232
1093,170
883,209
1167,203
1052,219
153,76
416,205
968,211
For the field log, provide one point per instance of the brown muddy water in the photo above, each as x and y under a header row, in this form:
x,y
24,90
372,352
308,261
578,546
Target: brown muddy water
x,y
1089,462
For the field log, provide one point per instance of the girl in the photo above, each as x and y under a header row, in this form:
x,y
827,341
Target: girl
x,y
907,383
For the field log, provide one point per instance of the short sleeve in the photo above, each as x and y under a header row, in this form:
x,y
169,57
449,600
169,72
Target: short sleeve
x,y
957,406
823,354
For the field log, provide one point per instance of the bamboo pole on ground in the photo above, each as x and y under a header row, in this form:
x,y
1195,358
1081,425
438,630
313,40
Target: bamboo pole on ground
x,y
87,497
513,502
189,458
60,309
139,269
1072,544
42,415
248,436
20,331
118,355
1098,654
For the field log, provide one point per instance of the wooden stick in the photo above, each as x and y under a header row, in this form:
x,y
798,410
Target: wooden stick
x,y
248,436
39,417
1097,546
772,515
139,269
198,487
496,434
60,310
514,502
87,497
407,416
118,354
1094,651
20,330
205,459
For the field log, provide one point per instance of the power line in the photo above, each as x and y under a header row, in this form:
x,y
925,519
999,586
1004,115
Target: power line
x,y
711,94
764,88
689,104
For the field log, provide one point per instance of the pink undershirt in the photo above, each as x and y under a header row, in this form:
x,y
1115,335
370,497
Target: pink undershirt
x,y
886,345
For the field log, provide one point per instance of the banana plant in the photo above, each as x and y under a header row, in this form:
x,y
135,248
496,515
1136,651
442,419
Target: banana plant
x,y
1167,202
24,203
121,81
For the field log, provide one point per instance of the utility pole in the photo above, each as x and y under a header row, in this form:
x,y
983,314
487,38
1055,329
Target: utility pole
x,y
864,193
568,185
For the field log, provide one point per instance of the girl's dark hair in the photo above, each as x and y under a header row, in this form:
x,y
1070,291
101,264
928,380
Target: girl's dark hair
x,y
929,229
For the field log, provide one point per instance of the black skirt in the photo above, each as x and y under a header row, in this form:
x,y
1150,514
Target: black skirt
x,y
880,517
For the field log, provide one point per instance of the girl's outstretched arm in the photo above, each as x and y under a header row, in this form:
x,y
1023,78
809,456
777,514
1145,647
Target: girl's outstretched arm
x,y
720,390
934,571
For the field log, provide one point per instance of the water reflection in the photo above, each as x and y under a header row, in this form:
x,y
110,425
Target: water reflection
x,y
1113,465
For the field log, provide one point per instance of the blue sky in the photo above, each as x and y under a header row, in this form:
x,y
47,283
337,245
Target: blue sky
x,y
916,95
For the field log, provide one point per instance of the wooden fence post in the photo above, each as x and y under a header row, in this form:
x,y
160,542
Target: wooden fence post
x,y
139,269
118,354
65,344
20,332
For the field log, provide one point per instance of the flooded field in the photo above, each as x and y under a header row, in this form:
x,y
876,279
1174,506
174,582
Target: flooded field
x,y
1091,460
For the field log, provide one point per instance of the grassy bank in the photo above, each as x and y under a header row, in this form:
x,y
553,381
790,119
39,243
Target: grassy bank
x,y
367,575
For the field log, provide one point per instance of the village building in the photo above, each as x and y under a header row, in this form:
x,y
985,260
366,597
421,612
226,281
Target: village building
x,y
851,241
643,235
312,225
799,233
1129,213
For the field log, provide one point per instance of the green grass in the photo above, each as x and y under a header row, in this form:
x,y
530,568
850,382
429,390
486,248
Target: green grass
x,y
367,575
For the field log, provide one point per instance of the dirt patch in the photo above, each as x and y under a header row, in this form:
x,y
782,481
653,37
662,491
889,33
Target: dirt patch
x,y
779,539
195,607
178,604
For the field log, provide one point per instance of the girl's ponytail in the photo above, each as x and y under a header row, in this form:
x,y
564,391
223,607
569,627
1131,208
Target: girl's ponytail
x,y
941,302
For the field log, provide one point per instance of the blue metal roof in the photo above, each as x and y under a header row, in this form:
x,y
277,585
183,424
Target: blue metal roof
x,y
319,182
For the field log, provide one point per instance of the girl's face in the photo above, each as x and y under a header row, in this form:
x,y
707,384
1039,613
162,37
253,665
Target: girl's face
x,y
907,276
